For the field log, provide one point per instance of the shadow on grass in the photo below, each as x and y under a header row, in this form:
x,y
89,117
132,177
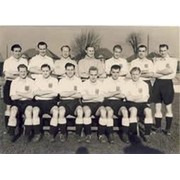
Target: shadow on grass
x,y
139,148
82,150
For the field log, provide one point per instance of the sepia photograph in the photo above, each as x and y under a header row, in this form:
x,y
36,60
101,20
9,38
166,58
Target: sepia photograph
x,y
89,89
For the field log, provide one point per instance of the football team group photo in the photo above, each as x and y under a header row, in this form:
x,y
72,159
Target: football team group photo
x,y
102,90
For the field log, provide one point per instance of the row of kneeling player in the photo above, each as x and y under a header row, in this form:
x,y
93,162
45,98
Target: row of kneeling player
x,y
113,96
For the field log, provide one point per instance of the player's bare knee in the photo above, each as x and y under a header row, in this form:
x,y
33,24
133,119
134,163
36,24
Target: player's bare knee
x,y
79,111
102,112
110,113
14,111
133,111
62,110
148,112
124,112
158,107
169,112
87,111
28,111
36,111
54,111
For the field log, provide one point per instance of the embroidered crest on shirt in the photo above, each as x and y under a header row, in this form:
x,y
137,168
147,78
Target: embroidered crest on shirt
x,y
140,90
50,85
97,91
26,88
75,88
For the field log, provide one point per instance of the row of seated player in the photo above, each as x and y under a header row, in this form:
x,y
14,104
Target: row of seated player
x,y
93,103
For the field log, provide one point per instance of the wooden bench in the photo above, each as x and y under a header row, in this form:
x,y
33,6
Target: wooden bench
x,y
71,123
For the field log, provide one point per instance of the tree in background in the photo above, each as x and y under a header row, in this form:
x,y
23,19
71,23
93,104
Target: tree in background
x,y
134,39
87,37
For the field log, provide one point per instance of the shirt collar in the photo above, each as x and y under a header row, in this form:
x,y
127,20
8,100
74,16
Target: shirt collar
x,y
165,58
87,57
42,57
72,78
66,59
15,58
144,59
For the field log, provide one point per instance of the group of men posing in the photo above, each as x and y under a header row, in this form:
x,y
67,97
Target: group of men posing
x,y
92,87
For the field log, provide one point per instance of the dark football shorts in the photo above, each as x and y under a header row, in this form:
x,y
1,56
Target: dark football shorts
x,y
163,91
150,100
139,106
114,104
94,106
70,105
45,106
6,92
22,105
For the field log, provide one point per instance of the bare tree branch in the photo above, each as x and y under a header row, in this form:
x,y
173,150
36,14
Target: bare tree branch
x,y
82,40
134,39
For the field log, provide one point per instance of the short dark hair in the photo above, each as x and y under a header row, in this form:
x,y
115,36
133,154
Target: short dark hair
x,y
69,65
135,69
118,47
41,43
142,46
89,45
45,65
15,46
93,68
66,47
115,66
22,66
163,45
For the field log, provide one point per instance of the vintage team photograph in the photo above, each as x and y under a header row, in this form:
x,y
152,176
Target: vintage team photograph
x,y
89,90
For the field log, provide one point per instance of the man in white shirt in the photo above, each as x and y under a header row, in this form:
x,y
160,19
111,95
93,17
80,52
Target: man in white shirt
x,y
146,66
87,62
46,102
137,94
114,88
163,91
11,72
69,91
21,93
92,102
37,61
116,59
59,65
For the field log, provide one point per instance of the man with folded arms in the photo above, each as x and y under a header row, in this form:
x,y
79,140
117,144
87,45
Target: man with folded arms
x,y
46,102
22,93
137,94
37,61
163,90
114,88
69,91
11,72
92,102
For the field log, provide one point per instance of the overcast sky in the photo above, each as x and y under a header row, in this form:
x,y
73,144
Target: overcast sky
x,y
56,36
